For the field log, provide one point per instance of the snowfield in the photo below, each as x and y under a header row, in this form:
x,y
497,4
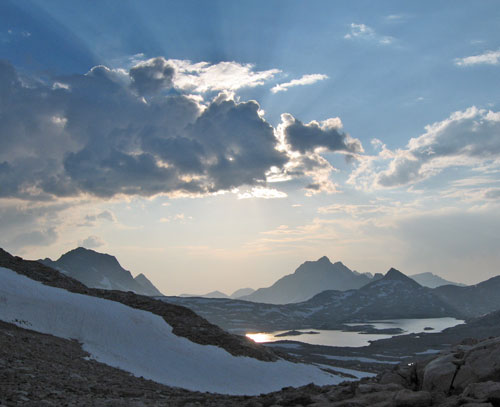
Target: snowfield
x,y
142,343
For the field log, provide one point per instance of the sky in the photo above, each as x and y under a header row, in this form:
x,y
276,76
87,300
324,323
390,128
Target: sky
x,y
219,145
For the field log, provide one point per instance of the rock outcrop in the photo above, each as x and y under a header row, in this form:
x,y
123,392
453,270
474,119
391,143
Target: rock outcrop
x,y
42,370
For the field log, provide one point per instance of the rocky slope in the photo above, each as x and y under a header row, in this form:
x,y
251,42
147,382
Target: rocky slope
x,y
473,300
37,370
183,320
311,278
99,270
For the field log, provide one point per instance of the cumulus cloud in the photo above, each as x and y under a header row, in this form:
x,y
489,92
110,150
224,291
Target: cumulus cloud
x,y
466,138
117,132
364,32
304,80
151,76
486,58
315,135
92,242
205,77
303,144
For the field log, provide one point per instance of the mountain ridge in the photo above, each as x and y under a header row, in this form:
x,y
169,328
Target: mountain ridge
x,y
101,270
432,280
393,296
310,278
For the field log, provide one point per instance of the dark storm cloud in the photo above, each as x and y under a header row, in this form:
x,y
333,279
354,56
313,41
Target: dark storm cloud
x,y
308,137
152,76
93,134
244,147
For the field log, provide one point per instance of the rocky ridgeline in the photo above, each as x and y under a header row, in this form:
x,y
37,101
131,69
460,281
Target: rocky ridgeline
x,y
183,321
42,370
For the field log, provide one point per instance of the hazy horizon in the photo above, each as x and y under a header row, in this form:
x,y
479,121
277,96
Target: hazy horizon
x,y
219,145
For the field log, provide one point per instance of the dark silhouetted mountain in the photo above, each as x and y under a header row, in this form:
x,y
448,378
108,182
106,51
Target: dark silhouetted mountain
x,y
242,292
309,279
432,280
212,294
99,270
473,300
393,296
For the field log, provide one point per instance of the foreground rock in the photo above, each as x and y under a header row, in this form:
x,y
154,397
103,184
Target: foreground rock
x,y
42,370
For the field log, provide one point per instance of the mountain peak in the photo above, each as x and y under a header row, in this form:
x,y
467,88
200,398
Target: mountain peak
x,y
101,270
324,259
394,274
89,253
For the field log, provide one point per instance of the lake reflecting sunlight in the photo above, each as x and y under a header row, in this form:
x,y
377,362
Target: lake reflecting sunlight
x,y
356,339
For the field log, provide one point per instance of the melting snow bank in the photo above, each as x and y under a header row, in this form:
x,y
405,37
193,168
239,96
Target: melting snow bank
x,y
142,343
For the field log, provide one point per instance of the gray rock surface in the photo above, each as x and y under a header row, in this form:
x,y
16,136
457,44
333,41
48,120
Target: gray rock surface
x,y
42,370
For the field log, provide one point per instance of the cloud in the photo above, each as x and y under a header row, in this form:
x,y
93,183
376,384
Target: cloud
x,y
395,17
317,135
44,237
466,139
115,132
366,33
486,58
204,77
104,215
492,193
179,217
304,80
303,145
262,193
91,242
97,136
151,76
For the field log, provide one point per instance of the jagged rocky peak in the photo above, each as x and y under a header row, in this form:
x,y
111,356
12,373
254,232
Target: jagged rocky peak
x,y
323,264
396,275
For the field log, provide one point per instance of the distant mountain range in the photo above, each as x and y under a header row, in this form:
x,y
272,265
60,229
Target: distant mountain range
x,y
432,280
311,278
98,270
392,296
218,294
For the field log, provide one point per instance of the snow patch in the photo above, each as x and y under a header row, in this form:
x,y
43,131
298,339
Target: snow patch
x,y
142,343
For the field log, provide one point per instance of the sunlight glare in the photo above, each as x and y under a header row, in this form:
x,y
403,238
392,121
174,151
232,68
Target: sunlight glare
x,y
260,337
